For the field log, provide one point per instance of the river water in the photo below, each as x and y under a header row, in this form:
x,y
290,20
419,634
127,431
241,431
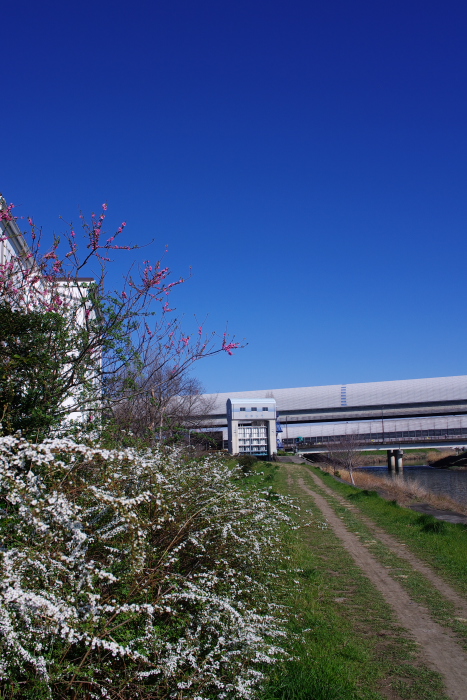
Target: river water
x,y
440,481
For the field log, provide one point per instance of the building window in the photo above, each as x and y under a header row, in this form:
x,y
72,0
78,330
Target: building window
x,y
242,409
253,408
265,408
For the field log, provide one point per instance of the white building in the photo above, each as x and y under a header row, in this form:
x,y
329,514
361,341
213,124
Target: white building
x,y
252,426
15,244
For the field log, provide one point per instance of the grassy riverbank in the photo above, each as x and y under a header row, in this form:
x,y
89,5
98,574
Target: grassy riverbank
x,y
451,461
406,492
345,643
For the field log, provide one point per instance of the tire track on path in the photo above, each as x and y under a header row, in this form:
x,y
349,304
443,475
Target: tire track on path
x,y
440,650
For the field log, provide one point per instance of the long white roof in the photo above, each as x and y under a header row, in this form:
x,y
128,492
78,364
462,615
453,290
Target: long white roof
x,y
363,394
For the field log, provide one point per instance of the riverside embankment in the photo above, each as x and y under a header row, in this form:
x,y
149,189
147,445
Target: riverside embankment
x,y
446,488
430,473
393,579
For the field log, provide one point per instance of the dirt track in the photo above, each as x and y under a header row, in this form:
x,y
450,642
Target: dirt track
x,y
437,645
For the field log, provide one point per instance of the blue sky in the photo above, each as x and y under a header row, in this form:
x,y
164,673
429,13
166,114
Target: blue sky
x,y
307,160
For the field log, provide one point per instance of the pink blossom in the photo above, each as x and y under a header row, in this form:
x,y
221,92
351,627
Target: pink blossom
x,y
228,347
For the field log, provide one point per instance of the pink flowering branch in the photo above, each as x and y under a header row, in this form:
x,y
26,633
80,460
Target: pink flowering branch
x,y
111,331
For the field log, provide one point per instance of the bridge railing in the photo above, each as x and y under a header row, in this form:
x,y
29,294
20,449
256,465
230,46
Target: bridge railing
x,y
386,439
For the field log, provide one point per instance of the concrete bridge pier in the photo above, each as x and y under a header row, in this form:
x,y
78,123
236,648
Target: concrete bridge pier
x,y
398,459
395,463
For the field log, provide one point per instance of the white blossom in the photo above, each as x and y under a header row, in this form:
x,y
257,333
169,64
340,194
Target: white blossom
x,y
147,557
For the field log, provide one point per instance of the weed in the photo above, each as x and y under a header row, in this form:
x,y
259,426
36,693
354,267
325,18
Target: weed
x,y
363,494
430,524
246,463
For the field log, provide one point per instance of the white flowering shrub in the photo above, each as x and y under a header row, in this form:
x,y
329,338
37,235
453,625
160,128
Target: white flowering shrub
x,y
132,574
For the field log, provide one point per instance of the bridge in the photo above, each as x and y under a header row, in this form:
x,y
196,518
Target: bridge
x,y
382,434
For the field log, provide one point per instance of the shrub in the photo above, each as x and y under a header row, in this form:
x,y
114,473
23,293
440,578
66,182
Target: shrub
x,y
32,381
246,463
132,574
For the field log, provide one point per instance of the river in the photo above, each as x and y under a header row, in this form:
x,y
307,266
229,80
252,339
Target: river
x,y
444,482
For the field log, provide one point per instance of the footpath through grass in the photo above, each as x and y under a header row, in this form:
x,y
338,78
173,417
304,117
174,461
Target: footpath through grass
x,y
345,642
428,531
440,544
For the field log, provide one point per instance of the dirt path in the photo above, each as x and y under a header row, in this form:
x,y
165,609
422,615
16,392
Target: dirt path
x,y
401,551
438,647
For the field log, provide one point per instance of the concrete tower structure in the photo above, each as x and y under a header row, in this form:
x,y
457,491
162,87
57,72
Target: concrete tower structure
x,y
252,427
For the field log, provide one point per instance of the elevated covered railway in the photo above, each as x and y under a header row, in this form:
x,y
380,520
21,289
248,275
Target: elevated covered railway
x,y
405,398
403,413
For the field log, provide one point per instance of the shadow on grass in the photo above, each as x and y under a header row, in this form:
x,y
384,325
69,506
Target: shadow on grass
x,y
364,493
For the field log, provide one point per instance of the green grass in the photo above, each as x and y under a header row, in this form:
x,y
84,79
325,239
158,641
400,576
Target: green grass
x,y
344,641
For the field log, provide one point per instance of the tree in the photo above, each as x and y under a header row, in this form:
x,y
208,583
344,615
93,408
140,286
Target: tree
x,y
209,440
345,454
88,337
159,404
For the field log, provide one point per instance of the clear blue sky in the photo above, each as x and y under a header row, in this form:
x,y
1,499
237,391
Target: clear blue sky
x,y
307,159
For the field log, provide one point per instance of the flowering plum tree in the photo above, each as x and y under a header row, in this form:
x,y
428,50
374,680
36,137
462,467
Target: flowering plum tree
x,y
67,342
